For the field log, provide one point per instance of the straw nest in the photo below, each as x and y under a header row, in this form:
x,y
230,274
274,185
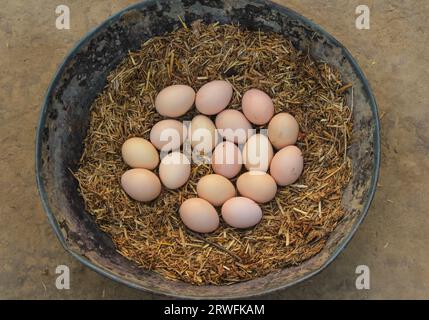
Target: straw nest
x,y
295,225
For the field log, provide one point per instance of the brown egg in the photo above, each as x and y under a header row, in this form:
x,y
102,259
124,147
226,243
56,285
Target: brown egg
x,y
167,135
233,126
287,165
203,134
213,97
241,212
216,189
226,159
257,106
283,130
174,170
174,101
140,153
141,184
257,153
199,215
258,186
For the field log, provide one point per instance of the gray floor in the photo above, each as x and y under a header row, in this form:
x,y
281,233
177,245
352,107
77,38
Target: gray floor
x,y
393,240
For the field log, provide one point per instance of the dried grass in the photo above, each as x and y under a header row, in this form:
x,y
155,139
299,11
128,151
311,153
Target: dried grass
x,y
296,224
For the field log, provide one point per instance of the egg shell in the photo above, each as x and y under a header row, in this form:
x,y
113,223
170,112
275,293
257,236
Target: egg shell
x,y
168,135
140,153
241,212
283,130
199,215
216,189
258,186
213,97
174,170
233,126
203,134
226,159
257,153
174,101
257,106
141,184
287,165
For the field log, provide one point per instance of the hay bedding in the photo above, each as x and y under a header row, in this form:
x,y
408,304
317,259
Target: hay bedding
x,y
295,225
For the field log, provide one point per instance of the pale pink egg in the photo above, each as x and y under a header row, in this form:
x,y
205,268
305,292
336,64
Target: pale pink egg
x,y
140,153
167,135
202,134
213,97
257,153
141,184
241,212
216,189
283,130
174,101
174,170
233,126
199,215
259,187
287,165
226,159
257,106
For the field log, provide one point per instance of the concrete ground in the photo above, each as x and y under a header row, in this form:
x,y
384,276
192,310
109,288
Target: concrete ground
x,y
393,240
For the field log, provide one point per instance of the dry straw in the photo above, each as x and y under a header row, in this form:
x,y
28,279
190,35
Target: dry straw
x,y
296,224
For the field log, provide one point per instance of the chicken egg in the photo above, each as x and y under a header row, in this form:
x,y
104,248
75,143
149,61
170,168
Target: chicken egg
x,y
141,184
260,187
203,134
257,153
257,106
199,215
174,170
167,135
213,97
287,165
226,159
241,212
283,130
216,189
140,153
174,101
233,126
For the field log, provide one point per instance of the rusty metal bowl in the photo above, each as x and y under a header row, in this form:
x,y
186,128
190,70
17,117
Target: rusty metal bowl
x,y
65,114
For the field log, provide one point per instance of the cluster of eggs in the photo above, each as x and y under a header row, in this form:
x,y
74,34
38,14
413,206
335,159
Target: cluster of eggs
x,y
231,130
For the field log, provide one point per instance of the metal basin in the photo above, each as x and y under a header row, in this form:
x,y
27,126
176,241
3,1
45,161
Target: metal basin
x,y
65,117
